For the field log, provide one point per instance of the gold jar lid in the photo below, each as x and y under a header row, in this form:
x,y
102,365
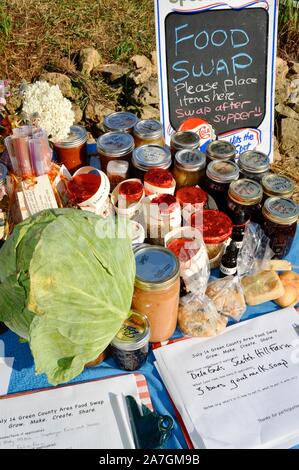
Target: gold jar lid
x,y
281,210
278,185
190,160
134,333
245,192
185,140
148,129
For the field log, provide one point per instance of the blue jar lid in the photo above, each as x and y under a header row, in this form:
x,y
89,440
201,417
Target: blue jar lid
x,y
156,267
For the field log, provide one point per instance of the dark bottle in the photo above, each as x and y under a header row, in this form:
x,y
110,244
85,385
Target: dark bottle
x,y
228,266
238,235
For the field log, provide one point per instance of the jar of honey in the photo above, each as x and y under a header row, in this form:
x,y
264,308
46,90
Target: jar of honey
x,y
148,131
184,140
121,121
189,168
220,150
147,157
244,201
157,289
219,175
254,165
72,151
115,146
277,186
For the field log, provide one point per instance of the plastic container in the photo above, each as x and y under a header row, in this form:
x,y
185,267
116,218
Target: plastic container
x,y
72,152
148,157
117,171
115,146
220,150
189,168
159,181
148,131
219,175
121,121
184,140
254,165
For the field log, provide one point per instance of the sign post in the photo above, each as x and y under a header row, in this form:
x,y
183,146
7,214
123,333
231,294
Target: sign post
x,y
217,69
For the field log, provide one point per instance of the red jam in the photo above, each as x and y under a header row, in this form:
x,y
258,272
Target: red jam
x,y
83,187
179,247
131,190
191,195
217,226
167,201
159,177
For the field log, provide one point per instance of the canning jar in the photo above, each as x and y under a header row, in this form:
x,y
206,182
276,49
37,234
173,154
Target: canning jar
x,y
148,157
254,165
189,167
117,171
148,131
219,175
244,201
115,146
220,150
192,199
120,121
184,140
157,289
280,224
159,181
131,344
162,214
72,151
277,185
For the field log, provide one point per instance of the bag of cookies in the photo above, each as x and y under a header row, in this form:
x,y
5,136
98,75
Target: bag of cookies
x,y
227,295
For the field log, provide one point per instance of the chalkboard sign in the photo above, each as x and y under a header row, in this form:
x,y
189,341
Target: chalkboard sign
x,y
216,67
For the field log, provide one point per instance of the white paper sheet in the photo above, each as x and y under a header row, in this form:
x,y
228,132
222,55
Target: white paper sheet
x,y
240,389
85,416
6,364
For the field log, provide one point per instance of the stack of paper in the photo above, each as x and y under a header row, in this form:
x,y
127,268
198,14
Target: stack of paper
x,y
240,389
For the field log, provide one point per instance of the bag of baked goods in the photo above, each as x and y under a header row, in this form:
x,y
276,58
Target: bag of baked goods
x,y
199,317
228,297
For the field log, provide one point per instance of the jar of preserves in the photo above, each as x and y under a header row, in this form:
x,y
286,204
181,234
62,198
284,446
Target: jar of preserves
x,y
157,289
115,146
159,181
219,175
72,151
130,346
280,224
244,201
147,157
277,186
184,140
162,213
192,200
121,121
148,131
189,168
220,150
117,171
254,165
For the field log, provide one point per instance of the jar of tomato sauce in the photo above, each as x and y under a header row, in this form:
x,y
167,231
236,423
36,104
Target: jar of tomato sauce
x,y
157,289
244,201
254,165
219,175
147,157
148,131
189,167
220,150
184,140
120,121
72,151
115,146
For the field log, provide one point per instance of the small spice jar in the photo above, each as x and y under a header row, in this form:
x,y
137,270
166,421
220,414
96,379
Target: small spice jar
x,y
147,157
72,151
277,186
117,171
157,289
220,150
219,175
254,165
189,167
131,344
121,121
280,224
115,146
244,201
184,140
159,181
148,131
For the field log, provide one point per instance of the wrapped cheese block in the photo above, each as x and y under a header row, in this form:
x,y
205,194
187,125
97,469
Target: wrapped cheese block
x,y
262,287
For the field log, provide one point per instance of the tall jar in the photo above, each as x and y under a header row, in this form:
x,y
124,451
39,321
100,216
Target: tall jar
x,y
157,289
189,168
277,186
219,175
244,202
148,157
280,224
254,165
184,140
115,146
72,151
120,121
148,131
220,150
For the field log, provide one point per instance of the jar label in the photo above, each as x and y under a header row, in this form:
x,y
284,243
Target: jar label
x,y
228,271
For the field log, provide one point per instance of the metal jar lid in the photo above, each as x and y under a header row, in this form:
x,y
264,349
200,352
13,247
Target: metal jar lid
x,y
245,192
221,150
157,268
147,157
254,162
134,333
185,140
3,174
190,160
121,121
75,138
115,143
278,185
148,129
282,211
223,172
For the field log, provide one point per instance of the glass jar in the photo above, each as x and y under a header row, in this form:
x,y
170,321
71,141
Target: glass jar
x,y
189,168
162,214
72,152
280,224
131,344
147,157
182,140
192,200
115,146
117,171
254,165
244,201
159,181
220,150
157,289
277,186
120,121
219,175
148,131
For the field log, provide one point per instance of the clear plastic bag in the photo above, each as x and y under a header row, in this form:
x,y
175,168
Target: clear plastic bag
x,y
255,251
227,295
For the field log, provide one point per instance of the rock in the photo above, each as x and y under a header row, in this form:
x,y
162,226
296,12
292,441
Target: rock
x,y
78,113
282,70
149,112
143,69
148,94
286,111
289,137
63,81
283,92
277,156
293,99
89,58
154,63
294,67
112,72
96,111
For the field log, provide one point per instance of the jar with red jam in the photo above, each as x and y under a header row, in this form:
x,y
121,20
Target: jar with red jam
x,y
120,121
147,157
159,181
192,199
162,215
72,151
280,224
181,140
148,131
254,165
115,146
244,201
220,150
219,175
277,186
131,191
189,168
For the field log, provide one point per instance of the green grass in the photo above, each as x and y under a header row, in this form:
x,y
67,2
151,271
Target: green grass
x,y
288,13
5,22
